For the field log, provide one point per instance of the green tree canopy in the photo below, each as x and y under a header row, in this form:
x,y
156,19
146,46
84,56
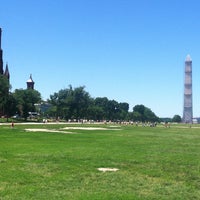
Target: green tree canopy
x,y
176,118
76,103
142,113
25,100
4,94
71,103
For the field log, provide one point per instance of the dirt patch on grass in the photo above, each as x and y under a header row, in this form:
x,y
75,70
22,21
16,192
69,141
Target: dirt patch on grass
x,y
88,128
85,128
46,130
62,130
108,169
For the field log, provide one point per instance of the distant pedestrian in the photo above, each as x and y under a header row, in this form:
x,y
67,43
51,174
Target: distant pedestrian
x,y
12,125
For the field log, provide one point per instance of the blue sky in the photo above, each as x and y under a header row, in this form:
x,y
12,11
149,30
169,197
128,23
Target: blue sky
x,y
127,50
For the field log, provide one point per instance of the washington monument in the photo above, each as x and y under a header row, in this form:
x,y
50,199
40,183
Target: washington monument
x,y
187,108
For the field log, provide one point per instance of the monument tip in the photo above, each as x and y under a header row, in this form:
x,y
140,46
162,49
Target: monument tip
x,y
188,58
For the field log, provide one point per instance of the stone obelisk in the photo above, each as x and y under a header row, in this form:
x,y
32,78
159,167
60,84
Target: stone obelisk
x,y
187,108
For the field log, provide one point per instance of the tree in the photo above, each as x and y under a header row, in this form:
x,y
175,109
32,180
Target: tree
x,y
142,113
10,106
71,103
124,106
137,116
4,93
95,113
77,104
176,118
101,104
150,116
81,102
60,103
110,109
138,113
25,100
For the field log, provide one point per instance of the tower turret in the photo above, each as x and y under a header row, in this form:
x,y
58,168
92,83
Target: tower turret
x,y
30,83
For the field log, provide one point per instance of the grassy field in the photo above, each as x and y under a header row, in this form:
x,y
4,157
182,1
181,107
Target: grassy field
x,y
154,163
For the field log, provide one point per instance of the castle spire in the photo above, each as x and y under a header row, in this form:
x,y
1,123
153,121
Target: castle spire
x,y
0,37
1,56
7,73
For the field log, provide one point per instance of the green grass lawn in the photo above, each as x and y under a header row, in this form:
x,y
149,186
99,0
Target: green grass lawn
x,y
153,163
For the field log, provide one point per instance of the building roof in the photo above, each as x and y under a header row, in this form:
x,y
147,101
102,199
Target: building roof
x,y
30,80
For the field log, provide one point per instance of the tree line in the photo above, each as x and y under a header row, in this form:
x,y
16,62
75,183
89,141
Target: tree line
x,y
76,103
70,104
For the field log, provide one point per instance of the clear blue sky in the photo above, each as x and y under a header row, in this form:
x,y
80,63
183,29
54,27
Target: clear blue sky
x,y
127,50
